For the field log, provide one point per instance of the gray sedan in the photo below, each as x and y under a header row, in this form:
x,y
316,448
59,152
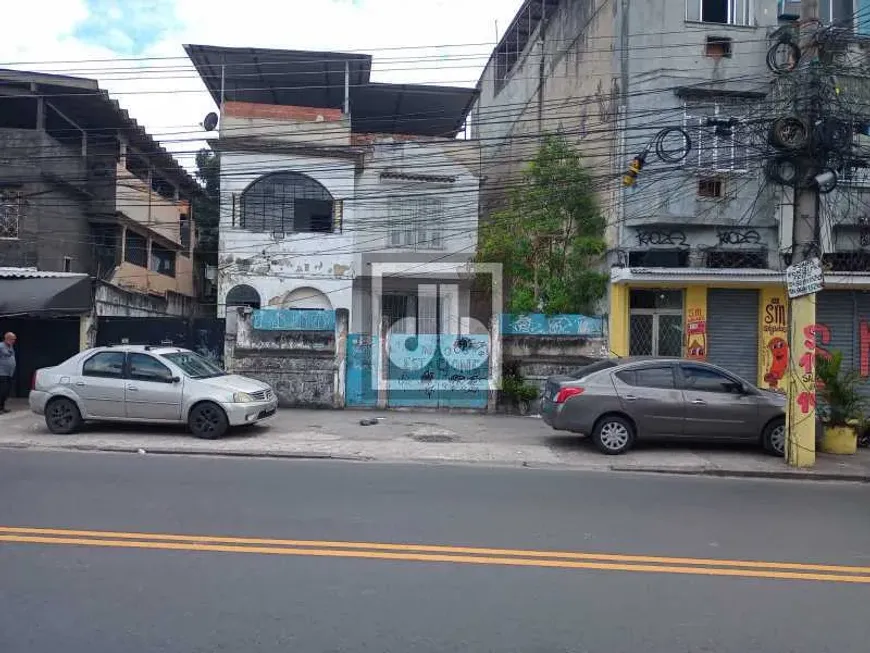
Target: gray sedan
x,y
158,385
618,401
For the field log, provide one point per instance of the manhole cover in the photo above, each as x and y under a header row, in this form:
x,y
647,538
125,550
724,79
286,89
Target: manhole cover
x,y
433,438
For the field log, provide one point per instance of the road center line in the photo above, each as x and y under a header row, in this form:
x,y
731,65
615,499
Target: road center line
x,y
83,537
424,557
437,553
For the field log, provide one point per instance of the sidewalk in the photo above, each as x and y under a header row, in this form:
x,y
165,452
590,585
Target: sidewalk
x,y
425,437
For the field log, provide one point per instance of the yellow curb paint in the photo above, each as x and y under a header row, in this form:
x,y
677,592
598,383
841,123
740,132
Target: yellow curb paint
x,y
436,553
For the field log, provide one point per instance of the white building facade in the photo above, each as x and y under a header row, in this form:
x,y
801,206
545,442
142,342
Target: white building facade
x,y
321,181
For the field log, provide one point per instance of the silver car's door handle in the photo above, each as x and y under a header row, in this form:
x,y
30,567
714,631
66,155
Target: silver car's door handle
x,y
80,384
698,401
132,388
630,398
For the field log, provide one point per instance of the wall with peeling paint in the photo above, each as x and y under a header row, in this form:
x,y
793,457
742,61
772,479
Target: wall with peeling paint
x,y
317,270
275,267
301,366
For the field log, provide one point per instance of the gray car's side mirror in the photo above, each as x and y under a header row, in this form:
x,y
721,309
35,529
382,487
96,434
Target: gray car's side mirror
x,y
175,379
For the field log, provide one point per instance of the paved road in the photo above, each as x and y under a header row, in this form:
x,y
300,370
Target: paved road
x,y
488,559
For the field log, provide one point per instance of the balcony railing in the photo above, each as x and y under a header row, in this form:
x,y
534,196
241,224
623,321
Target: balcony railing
x,y
136,200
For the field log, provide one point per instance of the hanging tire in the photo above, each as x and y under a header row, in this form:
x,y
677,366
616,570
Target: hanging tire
x,y
613,435
208,421
773,438
62,416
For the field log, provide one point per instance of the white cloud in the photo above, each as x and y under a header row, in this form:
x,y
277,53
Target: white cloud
x,y
167,96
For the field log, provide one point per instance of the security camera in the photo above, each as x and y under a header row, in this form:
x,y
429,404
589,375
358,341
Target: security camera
x,y
826,181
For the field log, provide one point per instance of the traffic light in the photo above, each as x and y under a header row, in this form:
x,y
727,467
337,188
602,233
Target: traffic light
x,y
634,169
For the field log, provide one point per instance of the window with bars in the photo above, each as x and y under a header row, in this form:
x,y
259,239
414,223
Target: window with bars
x,y
725,12
11,208
287,202
719,135
416,223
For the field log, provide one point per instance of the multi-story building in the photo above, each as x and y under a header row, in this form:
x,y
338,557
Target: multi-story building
x,y
91,205
697,248
328,179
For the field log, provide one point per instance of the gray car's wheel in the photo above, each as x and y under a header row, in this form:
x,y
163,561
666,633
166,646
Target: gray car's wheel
x,y
773,438
207,421
613,435
62,416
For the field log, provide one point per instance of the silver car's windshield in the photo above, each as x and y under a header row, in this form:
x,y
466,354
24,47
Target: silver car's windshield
x,y
194,365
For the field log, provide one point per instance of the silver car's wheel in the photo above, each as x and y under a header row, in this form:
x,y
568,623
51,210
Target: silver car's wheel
x,y
613,435
773,438
62,416
207,421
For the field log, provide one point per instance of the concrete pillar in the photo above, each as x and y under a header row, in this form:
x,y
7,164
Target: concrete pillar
x,y
342,322
87,331
617,320
383,364
495,363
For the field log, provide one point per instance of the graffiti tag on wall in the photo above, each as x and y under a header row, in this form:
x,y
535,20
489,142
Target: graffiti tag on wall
x,y
553,325
290,319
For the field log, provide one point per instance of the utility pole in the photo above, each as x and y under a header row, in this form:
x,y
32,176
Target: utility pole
x,y
801,421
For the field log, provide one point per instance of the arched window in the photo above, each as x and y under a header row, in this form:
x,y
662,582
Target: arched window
x,y
243,295
286,202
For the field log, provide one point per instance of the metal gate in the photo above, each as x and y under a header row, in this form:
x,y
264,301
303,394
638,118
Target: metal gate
x,y
203,335
732,331
437,370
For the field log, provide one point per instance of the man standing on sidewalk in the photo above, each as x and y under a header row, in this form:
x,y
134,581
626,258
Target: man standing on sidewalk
x,y
7,368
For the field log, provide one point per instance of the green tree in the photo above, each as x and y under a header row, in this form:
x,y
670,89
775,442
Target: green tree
x,y
206,207
550,238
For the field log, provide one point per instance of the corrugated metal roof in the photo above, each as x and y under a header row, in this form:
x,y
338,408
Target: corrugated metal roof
x,y
33,273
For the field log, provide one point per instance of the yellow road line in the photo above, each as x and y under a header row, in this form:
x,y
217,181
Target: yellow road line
x,y
423,557
436,549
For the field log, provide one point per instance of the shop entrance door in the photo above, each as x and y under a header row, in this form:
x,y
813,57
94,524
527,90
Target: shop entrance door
x,y
656,323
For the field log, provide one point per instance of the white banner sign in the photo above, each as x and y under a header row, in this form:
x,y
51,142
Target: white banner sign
x,y
805,278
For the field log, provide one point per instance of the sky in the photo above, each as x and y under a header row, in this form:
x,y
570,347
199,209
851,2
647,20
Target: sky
x,y
134,47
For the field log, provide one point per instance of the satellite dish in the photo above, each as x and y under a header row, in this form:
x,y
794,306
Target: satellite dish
x,y
210,122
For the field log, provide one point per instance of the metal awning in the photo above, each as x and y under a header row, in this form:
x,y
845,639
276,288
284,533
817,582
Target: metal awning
x,y
44,295
726,277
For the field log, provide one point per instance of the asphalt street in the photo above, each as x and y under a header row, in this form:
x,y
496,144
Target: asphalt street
x,y
119,552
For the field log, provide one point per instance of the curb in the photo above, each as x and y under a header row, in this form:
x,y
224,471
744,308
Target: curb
x,y
170,451
302,455
740,473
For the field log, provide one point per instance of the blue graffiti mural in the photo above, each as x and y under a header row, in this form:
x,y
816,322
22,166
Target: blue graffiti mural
x,y
291,319
551,325
438,370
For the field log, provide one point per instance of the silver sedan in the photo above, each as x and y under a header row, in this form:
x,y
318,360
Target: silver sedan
x,y
619,401
157,385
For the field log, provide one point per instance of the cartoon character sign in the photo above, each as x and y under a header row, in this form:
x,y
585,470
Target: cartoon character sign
x,y
774,346
778,349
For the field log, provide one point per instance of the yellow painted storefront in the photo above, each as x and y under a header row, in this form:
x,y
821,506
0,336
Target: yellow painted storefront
x,y
773,351
775,355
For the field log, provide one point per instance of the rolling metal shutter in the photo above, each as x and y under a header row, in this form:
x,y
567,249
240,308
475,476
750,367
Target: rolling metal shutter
x,y
732,331
862,306
842,311
835,310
